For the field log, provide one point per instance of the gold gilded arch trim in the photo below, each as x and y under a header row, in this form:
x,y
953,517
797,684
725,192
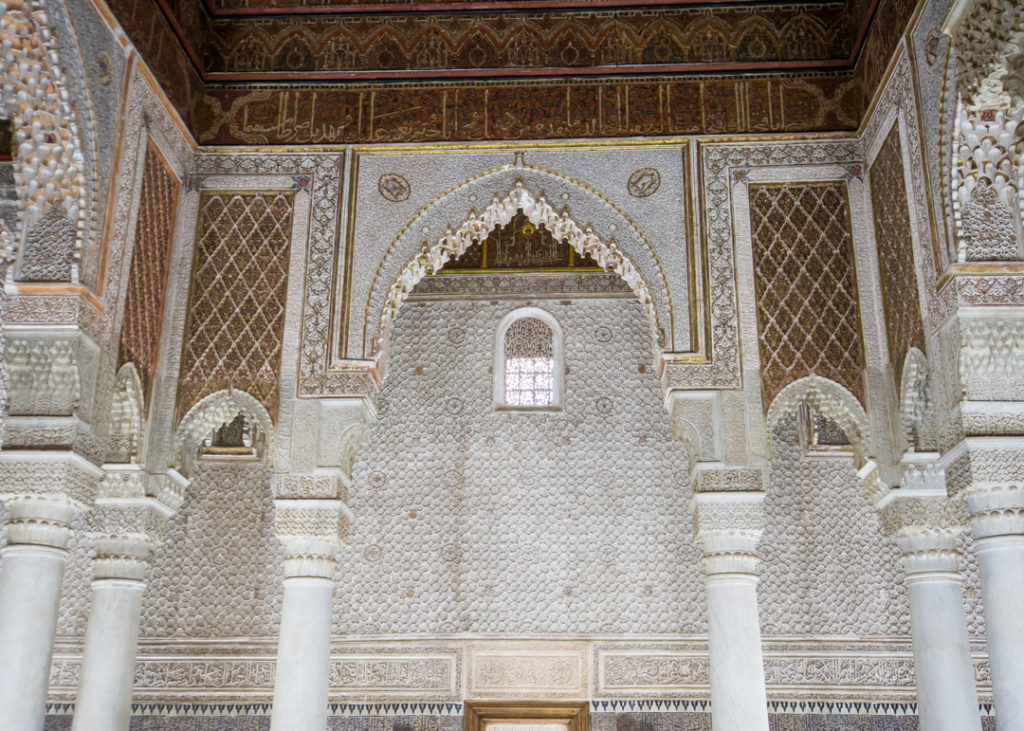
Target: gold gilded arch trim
x,y
382,306
476,227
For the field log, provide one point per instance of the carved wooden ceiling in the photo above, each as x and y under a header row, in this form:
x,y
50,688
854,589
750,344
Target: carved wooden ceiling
x,y
350,71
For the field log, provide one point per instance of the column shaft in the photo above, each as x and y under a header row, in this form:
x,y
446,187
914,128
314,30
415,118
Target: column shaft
x,y
303,655
104,699
30,581
738,700
1001,564
728,525
946,694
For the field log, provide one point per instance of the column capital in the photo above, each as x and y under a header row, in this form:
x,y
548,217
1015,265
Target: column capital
x,y
311,520
728,525
43,491
996,510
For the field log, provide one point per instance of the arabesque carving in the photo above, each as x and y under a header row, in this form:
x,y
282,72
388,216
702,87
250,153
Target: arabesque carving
x,y
213,412
477,226
988,185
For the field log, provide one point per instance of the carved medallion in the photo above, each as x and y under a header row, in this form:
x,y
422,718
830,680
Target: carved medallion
x,y
644,182
393,187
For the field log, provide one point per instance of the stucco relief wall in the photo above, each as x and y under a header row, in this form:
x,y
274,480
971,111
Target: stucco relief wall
x,y
469,520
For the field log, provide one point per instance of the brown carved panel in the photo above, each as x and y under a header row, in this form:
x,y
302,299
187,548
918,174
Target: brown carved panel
x,y
524,110
147,276
237,300
895,244
750,36
807,307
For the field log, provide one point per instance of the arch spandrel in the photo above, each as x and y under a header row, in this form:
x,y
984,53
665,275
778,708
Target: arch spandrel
x,y
591,223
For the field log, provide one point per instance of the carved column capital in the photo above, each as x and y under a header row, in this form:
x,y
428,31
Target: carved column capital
x,y
311,520
43,491
729,523
996,510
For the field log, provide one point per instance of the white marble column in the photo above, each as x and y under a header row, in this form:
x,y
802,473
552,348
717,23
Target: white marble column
x,y
128,521
728,526
31,571
997,521
105,681
311,529
304,643
925,524
42,490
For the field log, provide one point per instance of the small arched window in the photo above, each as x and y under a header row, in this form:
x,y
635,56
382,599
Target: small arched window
x,y
528,369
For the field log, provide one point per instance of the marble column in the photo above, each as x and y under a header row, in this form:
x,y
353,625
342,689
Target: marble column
x,y
310,529
31,571
925,524
128,522
304,644
106,678
946,695
728,527
42,492
997,521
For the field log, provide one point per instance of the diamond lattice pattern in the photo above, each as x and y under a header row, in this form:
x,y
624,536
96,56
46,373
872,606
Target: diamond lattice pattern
x,y
147,277
895,252
807,308
237,301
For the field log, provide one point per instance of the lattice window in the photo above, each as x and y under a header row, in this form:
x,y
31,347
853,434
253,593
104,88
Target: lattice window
x,y
529,363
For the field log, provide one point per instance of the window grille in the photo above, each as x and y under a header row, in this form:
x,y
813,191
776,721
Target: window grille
x,y
529,363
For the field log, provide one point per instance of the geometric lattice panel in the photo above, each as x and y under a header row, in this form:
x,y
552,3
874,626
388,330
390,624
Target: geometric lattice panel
x,y
147,277
807,307
895,252
237,300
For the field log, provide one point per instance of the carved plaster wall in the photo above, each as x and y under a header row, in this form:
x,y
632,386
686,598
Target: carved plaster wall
x,y
469,520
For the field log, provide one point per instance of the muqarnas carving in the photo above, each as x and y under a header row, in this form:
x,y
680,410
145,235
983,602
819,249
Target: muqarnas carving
x,y
895,243
147,277
237,301
807,308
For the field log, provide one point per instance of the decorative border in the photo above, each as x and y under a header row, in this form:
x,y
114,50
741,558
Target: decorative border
x,y
828,708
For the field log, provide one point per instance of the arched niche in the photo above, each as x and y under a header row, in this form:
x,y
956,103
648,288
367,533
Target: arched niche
x,y
445,228
830,399
213,412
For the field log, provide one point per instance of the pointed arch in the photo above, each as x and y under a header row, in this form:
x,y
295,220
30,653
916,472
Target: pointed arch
x,y
830,399
124,442
634,260
213,412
